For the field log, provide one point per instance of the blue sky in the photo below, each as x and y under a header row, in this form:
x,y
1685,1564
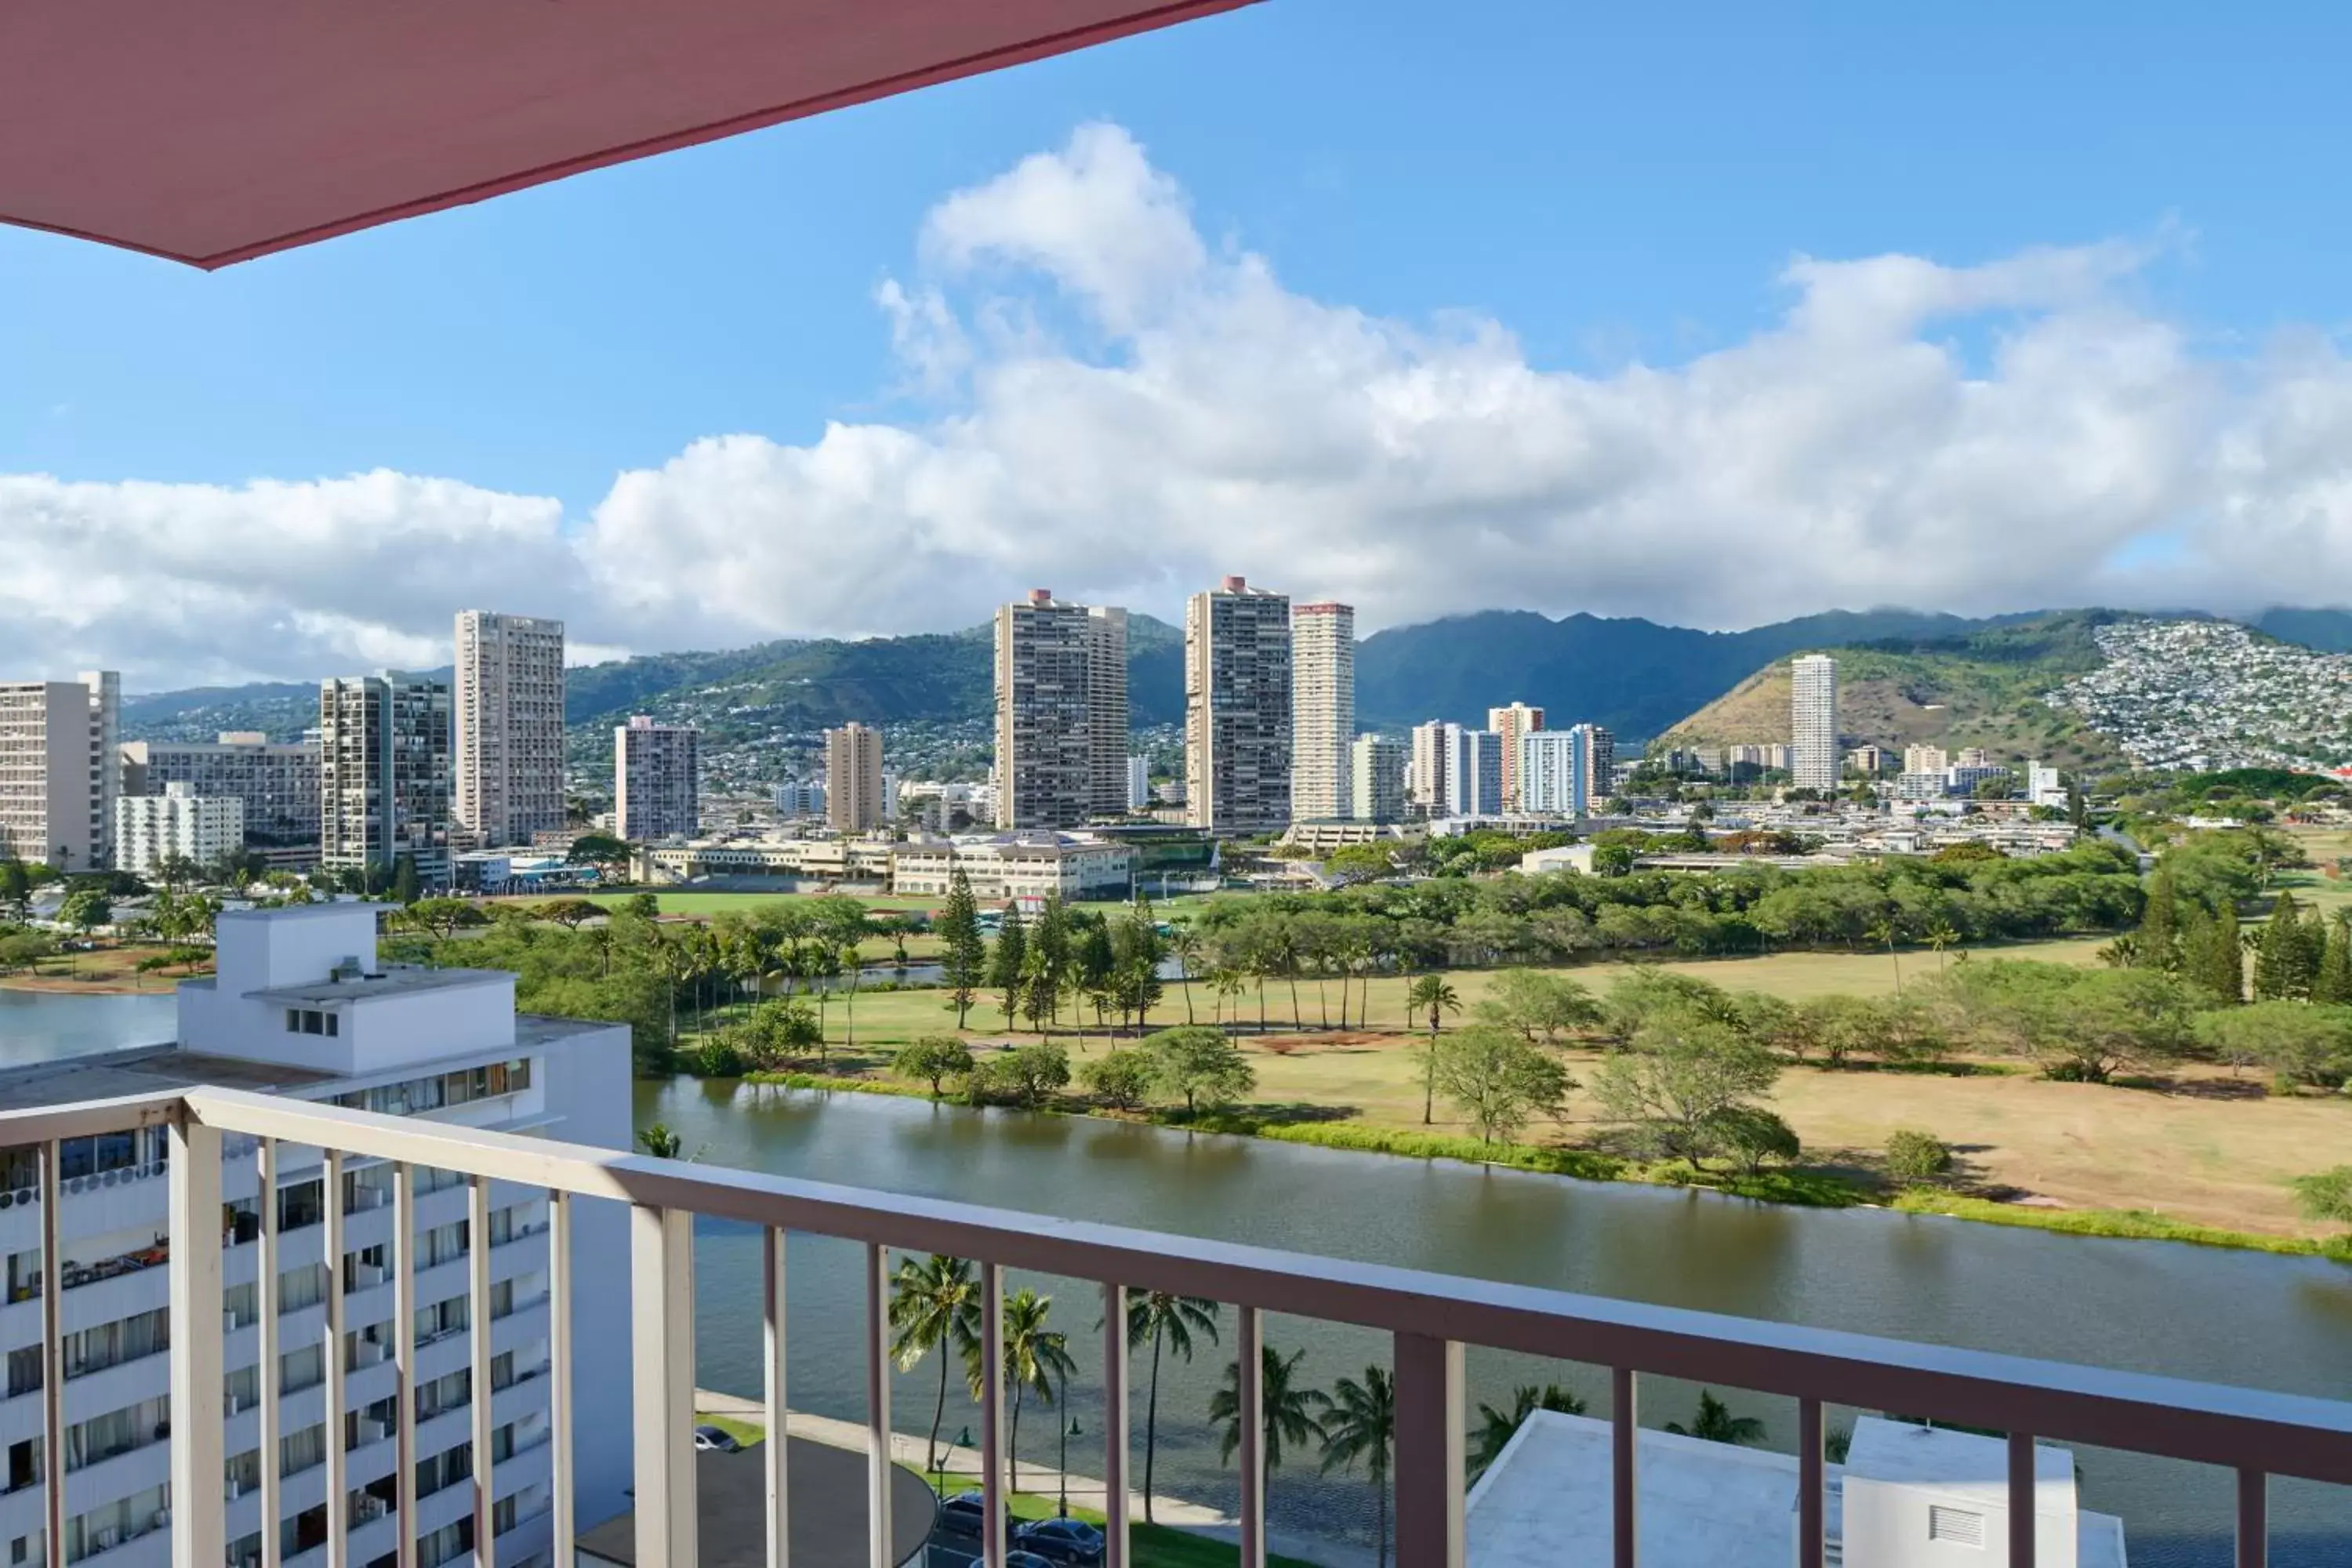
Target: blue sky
x,y
1607,188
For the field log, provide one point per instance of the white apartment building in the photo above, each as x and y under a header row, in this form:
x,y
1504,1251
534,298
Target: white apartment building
x,y
1813,723
1061,713
507,754
179,824
1510,723
853,779
1564,772
1237,708
1026,867
2044,786
1474,772
1424,773
301,1006
59,777
656,780
1323,710
1376,780
277,782
383,774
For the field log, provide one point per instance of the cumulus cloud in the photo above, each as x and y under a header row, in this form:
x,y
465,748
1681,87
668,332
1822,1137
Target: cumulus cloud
x,y
1117,408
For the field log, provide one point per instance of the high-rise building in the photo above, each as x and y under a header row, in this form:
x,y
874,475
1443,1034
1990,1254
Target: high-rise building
x,y
1061,713
1566,772
302,1008
799,798
1139,784
277,782
1474,772
58,775
1424,774
1237,708
1509,724
658,781
1867,760
507,755
1813,723
1376,770
853,779
383,774
177,824
1322,710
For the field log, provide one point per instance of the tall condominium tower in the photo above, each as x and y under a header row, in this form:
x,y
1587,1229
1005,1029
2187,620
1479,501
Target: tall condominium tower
x,y
1813,722
1376,771
1424,773
1061,713
1564,772
656,780
1323,710
58,775
1474,772
383,774
1237,712
1510,723
507,757
853,779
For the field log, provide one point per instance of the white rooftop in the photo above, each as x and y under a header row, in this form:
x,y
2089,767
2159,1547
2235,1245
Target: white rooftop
x,y
1955,1464
1546,1501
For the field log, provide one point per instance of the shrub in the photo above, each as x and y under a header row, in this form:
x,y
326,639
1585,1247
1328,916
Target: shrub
x,y
1023,1076
1122,1079
1916,1156
933,1060
1752,1135
717,1055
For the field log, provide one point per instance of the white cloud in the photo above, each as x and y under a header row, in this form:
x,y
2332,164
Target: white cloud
x,y
1121,410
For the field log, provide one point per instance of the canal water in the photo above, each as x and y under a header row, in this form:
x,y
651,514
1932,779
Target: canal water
x,y
2196,1312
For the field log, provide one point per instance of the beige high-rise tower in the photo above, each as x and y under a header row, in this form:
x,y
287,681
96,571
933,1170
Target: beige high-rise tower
x,y
1237,712
1061,713
506,755
853,778
58,770
1322,711
1813,723
1511,724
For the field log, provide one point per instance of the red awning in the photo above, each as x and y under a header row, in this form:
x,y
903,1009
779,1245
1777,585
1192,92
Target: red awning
x,y
215,130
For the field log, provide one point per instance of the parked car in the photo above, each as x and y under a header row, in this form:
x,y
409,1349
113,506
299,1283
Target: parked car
x,y
1069,1541
1025,1560
959,1516
716,1439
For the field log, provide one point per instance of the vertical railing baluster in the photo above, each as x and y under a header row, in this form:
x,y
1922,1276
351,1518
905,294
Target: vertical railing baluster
x,y
338,1459
266,1263
1624,1468
992,1416
53,1354
559,1358
878,1546
771,1278
1116,1446
477,1323
661,1297
2253,1519
1812,1520
199,1476
1249,1380
403,1349
2020,1500
1429,1450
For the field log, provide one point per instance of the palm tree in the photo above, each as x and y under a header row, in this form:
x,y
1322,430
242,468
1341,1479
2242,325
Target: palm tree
x,y
1290,1409
1940,938
852,967
1716,1424
1184,947
1165,1318
1036,1357
1496,1427
1430,992
1886,932
934,1306
1362,1426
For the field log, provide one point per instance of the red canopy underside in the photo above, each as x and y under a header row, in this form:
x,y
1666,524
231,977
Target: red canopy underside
x,y
215,130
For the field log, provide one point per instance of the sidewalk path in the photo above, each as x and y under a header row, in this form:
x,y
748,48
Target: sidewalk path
x,y
1085,1492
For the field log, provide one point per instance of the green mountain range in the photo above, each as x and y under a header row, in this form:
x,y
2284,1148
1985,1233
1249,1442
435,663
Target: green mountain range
x,y
1637,677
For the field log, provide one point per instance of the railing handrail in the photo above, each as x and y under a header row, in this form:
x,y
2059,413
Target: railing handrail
x,y
2242,1428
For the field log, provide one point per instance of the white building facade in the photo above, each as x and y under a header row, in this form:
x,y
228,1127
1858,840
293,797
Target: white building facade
x,y
1813,723
1025,867
1322,710
443,1044
1376,780
178,825
507,747
1511,724
277,782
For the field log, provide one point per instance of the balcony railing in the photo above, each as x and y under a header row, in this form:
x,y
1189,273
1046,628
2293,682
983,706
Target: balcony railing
x,y
1431,1318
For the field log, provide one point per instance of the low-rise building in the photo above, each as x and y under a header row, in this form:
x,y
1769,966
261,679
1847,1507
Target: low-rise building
x,y
1025,867
1322,837
826,859
277,781
178,825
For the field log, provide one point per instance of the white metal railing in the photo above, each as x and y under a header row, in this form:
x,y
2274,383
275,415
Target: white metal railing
x,y
1431,1318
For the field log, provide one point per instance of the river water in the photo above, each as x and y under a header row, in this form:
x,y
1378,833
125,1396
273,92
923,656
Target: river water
x,y
2197,1312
